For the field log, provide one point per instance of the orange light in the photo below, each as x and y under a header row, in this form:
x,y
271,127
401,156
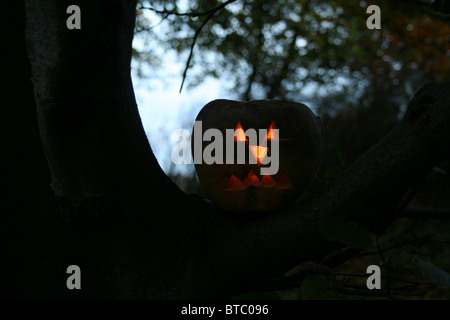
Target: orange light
x,y
239,134
271,134
252,179
267,181
259,152
284,182
234,183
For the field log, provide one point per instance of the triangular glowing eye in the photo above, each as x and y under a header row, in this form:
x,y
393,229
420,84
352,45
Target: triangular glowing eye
x,y
239,134
271,135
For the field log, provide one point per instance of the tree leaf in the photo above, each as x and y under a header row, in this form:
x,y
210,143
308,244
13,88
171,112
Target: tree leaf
x,y
317,287
432,272
348,233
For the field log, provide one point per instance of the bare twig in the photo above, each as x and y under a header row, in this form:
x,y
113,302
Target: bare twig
x,y
426,213
400,288
404,243
190,14
378,293
153,26
387,269
362,275
197,33
405,291
415,283
358,275
209,13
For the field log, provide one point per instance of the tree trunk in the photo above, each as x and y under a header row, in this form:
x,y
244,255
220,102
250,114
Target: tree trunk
x,y
111,209
31,233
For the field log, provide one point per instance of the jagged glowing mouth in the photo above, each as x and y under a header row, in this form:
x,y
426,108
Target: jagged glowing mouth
x,y
234,183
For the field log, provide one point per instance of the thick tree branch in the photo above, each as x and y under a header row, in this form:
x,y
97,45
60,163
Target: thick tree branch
x,y
29,242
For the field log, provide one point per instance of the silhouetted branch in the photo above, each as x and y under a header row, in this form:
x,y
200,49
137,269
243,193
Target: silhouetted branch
x,y
153,26
357,275
191,51
387,269
209,13
362,291
426,213
190,14
419,239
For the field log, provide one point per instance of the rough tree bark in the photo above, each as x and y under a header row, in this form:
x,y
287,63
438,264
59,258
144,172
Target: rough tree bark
x,y
117,217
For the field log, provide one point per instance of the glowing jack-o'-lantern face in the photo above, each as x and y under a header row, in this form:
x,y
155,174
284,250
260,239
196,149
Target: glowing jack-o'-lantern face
x,y
258,153
289,134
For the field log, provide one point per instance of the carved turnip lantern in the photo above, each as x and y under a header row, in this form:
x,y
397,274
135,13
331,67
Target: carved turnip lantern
x,y
257,155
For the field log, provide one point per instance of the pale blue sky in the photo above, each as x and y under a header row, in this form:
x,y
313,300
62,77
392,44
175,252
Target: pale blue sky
x,y
162,108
